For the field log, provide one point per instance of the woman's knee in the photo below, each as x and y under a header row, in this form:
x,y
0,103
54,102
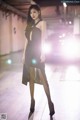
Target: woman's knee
x,y
43,77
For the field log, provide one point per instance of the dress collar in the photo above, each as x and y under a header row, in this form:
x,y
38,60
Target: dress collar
x,y
36,23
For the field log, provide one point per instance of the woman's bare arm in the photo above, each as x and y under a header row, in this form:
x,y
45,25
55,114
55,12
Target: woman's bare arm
x,y
44,33
23,58
26,42
43,38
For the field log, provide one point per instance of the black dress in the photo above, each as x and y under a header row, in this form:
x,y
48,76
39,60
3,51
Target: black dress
x,y
32,55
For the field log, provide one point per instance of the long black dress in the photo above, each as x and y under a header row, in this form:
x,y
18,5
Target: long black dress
x,y
32,55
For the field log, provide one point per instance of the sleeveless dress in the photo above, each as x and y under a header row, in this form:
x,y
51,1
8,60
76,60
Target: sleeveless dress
x,y
32,55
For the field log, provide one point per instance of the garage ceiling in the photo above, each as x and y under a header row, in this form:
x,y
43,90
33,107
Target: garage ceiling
x,y
21,6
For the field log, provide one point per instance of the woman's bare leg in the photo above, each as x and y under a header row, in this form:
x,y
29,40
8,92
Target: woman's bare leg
x,y
45,84
47,91
31,85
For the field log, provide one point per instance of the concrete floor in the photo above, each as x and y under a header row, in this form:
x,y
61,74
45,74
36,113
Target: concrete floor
x,y
64,82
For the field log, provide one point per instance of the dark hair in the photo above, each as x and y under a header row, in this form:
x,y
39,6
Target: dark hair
x,y
30,21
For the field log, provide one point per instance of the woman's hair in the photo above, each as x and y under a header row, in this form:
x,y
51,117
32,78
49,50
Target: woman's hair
x,y
30,21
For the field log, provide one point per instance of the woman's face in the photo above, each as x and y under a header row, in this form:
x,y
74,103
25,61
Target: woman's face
x,y
34,14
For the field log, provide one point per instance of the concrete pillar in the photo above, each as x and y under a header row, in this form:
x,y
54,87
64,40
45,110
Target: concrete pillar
x,y
76,29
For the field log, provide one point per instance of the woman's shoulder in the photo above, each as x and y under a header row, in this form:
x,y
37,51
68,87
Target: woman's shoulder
x,y
43,22
41,25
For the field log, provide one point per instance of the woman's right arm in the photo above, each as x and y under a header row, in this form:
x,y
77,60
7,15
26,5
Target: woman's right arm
x,y
23,58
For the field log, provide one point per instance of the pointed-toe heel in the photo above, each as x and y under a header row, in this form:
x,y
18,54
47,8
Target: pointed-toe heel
x,y
52,110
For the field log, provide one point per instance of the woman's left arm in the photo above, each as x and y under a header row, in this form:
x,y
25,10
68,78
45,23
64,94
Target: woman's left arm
x,y
43,38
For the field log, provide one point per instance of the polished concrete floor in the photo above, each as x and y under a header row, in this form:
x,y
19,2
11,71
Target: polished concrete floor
x,y
64,83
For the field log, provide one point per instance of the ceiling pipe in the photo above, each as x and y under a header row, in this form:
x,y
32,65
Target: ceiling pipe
x,y
14,10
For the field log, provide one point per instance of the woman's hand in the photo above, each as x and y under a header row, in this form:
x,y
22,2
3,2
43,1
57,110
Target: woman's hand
x,y
42,58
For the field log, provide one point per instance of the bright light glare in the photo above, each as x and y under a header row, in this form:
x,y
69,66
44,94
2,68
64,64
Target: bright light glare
x,y
9,61
64,4
34,61
70,49
70,22
46,48
72,73
63,35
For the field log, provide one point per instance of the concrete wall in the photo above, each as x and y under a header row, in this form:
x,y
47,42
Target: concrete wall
x,y
12,35
18,33
4,34
76,29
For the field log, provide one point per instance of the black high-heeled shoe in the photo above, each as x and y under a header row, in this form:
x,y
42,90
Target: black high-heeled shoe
x,y
51,108
32,108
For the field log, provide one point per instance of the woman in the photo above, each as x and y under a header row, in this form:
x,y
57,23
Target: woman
x,y
33,56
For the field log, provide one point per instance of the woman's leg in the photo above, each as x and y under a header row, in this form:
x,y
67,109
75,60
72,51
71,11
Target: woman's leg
x,y
31,85
45,84
47,90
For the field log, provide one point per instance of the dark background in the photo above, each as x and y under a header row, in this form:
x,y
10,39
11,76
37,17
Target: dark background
x,y
56,2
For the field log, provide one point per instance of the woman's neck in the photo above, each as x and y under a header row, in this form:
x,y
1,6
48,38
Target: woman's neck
x,y
37,20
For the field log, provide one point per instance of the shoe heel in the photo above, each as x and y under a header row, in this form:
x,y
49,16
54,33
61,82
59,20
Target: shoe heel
x,y
52,110
32,108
